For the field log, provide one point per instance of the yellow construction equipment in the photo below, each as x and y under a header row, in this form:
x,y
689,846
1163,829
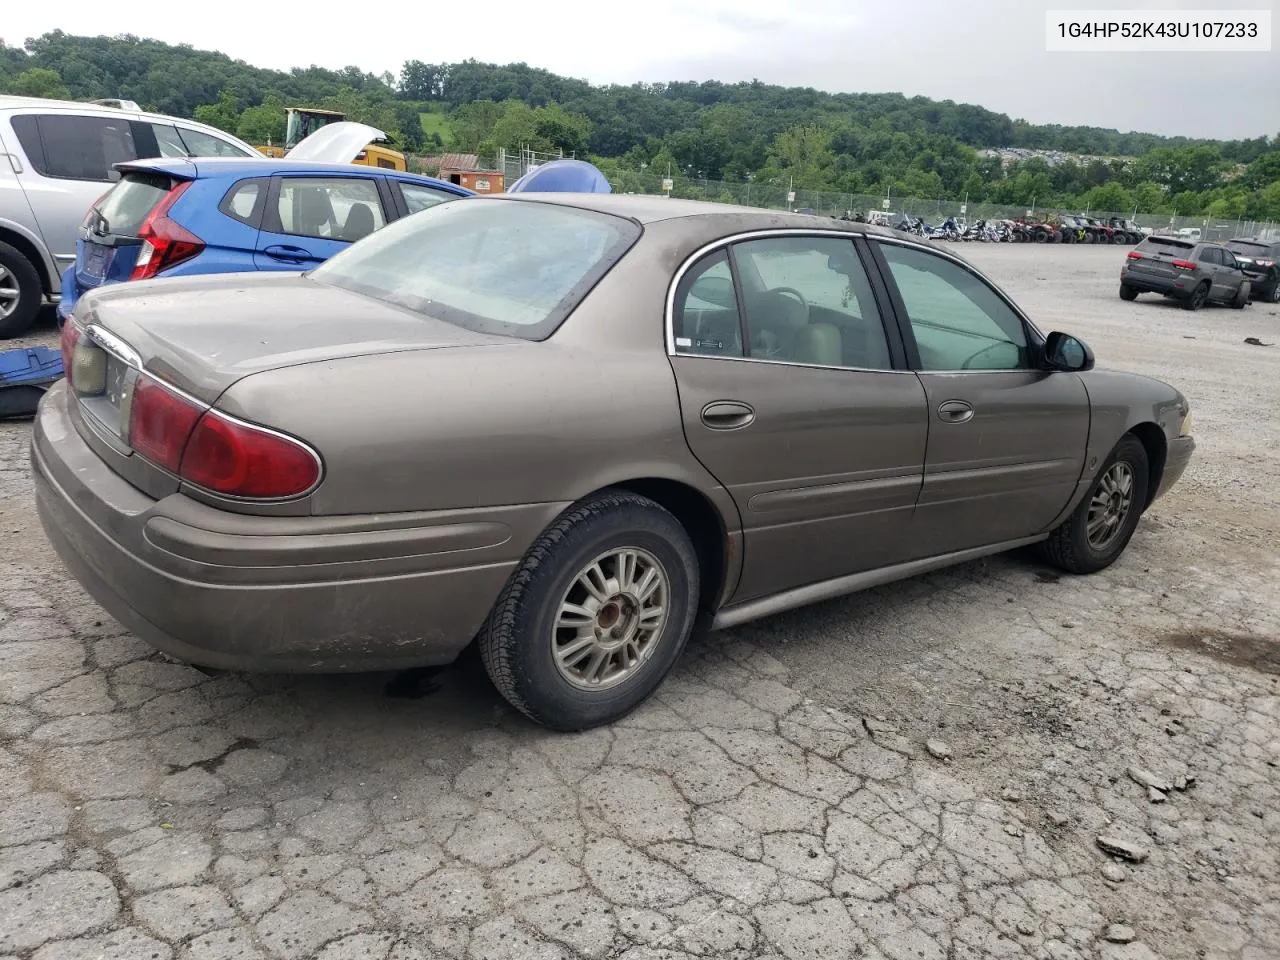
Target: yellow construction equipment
x,y
301,122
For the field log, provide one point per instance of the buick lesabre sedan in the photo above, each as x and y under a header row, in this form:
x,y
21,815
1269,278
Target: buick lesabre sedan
x,y
568,428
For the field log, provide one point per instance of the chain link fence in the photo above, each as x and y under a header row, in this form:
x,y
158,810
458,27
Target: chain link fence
x,y
777,196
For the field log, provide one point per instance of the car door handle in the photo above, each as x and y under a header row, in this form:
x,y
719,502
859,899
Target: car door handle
x,y
955,411
727,415
281,251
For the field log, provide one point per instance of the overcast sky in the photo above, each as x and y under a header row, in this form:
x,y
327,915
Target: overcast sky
x,y
988,52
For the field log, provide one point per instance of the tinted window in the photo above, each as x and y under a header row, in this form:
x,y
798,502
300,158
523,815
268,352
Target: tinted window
x,y
127,204
1169,245
1210,255
201,144
706,320
504,266
73,147
417,197
807,300
959,321
168,142
1248,248
335,208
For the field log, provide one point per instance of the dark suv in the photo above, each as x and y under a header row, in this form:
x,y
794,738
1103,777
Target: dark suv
x,y
1260,261
1191,272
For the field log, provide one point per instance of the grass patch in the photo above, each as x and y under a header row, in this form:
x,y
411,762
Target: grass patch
x,y
437,123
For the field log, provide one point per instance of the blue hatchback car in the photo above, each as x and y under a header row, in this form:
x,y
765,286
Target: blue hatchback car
x,y
175,217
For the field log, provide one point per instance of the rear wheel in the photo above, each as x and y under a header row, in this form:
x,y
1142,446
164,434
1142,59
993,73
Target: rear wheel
x,y
1127,292
1119,237
1272,294
1199,296
20,292
1099,529
596,614
1041,235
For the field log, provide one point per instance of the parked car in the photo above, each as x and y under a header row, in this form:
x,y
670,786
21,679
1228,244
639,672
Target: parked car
x,y
1260,261
59,158
175,217
1191,272
528,420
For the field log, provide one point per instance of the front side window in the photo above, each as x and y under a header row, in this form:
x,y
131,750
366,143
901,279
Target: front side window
x,y
331,208
959,321
70,147
808,300
496,266
417,197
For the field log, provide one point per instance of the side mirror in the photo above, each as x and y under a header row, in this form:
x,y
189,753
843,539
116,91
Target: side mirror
x,y
1065,352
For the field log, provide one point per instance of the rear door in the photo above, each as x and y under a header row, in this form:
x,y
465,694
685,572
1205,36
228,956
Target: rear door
x,y
69,160
791,398
1006,439
308,218
1210,261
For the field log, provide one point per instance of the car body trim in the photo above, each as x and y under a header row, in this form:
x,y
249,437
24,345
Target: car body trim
x,y
735,615
828,494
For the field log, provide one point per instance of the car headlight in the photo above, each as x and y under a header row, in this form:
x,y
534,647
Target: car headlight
x,y
1187,422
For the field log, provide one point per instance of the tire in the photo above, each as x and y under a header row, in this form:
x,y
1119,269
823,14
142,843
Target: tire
x,y
20,292
1070,547
1119,237
1272,293
1041,235
518,640
1067,237
1199,297
1127,292
1241,299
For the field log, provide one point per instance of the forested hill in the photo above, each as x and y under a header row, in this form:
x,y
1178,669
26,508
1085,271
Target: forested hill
x,y
850,142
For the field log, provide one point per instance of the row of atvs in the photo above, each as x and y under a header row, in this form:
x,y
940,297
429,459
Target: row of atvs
x,y
1070,228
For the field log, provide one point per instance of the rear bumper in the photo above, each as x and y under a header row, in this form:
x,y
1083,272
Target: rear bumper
x,y
1146,283
304,594
1175,463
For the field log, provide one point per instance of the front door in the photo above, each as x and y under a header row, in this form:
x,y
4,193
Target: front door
x,y
790,398
1006,439
309,219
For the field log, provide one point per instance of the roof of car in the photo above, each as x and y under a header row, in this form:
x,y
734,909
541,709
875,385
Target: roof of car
x,y
652,208
268,166
14,102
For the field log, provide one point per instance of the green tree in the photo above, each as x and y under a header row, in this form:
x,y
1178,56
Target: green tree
x,y
39,82
225,114
263,124
1108,198
804,152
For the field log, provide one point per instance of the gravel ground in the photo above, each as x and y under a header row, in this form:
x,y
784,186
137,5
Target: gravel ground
x,y
922,771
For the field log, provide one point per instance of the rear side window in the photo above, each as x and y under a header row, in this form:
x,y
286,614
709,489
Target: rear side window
x,y
244,201
127,204
70,147
201,144
1210,255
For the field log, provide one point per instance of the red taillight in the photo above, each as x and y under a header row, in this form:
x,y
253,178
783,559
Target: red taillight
x,y
160,421
67,341
1184,264
165,243
238,460
213,451
1133,255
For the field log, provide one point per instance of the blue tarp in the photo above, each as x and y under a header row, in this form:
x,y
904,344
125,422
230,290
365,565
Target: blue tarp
x,y
25,374
562,176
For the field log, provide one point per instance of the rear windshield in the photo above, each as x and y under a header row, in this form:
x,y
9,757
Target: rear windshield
x,y
1165,245
509,267
1249,247
126,205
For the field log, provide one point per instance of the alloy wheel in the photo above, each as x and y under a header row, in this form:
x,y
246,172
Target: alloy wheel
x,y
1110,505
611,618
9,292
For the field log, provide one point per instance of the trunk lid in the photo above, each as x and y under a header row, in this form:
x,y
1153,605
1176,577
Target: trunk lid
x,y
202,334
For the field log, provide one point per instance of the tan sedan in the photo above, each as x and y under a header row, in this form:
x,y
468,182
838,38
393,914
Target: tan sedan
x,y
568,428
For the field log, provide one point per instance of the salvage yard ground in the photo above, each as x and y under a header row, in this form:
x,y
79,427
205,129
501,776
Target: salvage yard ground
x,y
919,772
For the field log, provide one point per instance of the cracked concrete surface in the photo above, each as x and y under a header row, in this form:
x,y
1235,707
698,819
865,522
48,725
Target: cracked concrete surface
x,y
776,799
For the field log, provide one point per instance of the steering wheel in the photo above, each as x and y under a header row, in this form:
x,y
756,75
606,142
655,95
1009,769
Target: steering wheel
x,y
968,361
795,293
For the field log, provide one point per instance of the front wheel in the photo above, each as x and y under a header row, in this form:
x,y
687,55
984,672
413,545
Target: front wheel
x,y
20,292
1099,529
597,613
1272,294
1199,296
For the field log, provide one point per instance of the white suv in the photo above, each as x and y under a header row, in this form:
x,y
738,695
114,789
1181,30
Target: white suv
x,y
56,159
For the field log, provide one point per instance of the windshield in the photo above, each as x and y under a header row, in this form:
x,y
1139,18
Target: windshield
x,y
496,266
